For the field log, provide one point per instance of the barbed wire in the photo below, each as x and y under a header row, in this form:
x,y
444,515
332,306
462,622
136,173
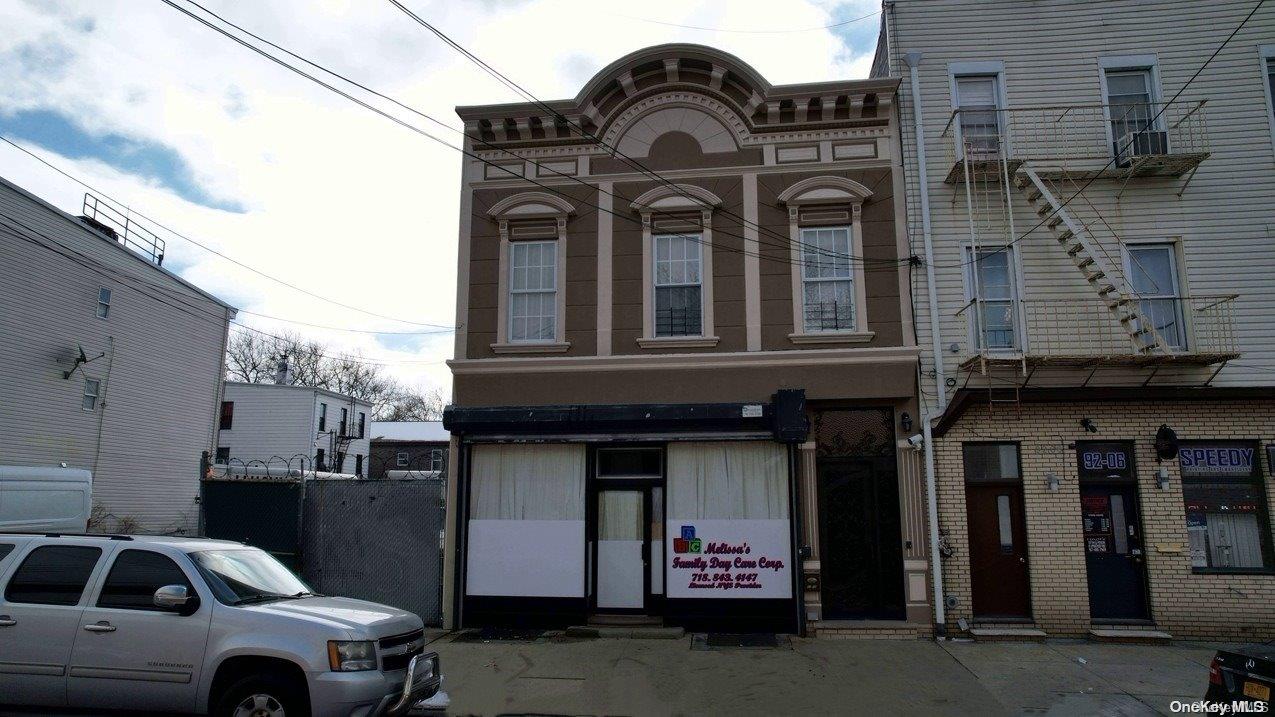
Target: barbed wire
x,y
424,465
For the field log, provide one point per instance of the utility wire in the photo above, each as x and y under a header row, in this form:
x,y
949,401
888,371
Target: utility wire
x,y
1111,161
893,264
613,150
207,248
23,232
752,32
786,240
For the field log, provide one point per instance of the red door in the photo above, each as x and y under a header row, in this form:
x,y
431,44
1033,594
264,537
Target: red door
x,y
998,551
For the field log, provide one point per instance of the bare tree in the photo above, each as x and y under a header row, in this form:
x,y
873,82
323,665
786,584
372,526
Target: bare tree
x,y
415,405
254,358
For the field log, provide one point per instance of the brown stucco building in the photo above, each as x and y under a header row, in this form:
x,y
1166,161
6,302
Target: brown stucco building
x,y
685,370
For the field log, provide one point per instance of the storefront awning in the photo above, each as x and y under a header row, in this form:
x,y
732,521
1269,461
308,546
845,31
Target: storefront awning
x,y
783,418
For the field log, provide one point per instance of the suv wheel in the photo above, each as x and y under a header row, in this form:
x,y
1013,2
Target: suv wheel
x,y
262,696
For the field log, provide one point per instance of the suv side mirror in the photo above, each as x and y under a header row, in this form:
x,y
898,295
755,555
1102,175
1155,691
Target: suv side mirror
x,y
175,598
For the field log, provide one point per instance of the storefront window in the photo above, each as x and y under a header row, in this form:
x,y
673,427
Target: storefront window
x,y
1226,511
526,502
724,481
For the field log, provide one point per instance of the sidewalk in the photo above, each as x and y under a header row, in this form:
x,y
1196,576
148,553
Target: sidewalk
x,y
559,676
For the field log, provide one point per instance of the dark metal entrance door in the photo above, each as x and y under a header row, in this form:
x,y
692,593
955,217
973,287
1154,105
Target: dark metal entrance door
x,y
999,578
860,543
1114,561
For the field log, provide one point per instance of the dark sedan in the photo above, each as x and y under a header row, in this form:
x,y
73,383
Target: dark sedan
x,y
1245,674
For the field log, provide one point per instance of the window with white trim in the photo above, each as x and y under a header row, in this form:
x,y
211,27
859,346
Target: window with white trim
x,y
679,291
436,460
1268,65
1153,276
1135,127
400,459
827,279
103,302
533,291
978,98
92,389
993,295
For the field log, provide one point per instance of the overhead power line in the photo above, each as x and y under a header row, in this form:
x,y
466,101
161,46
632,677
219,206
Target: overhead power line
x,y
629,161
174,300
1150,122
782,258
786,240
752,32
209,249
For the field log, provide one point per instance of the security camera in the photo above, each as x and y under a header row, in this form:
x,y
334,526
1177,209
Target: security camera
x,y
916,441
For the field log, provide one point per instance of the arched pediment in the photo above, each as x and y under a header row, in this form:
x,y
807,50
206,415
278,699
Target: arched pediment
x,y
671,57
712,134
825,190
531,205
678,197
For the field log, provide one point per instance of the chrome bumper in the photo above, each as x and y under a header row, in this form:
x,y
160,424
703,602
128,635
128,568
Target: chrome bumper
x,y
424,676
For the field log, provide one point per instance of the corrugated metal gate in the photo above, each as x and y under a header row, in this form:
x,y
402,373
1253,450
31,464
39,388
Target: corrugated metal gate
x,y
378,540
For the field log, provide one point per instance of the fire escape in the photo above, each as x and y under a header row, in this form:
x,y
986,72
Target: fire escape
x,y
1045,158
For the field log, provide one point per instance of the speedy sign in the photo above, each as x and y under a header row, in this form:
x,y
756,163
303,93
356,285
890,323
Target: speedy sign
x,y
1216,459
729,559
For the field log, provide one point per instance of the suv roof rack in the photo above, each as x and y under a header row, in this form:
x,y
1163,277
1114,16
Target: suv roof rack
x,y
106,536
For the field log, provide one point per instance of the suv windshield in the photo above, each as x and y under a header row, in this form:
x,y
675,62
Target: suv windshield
x,y
247,575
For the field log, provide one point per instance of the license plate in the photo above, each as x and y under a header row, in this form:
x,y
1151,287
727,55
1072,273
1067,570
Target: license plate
x,y
1257,692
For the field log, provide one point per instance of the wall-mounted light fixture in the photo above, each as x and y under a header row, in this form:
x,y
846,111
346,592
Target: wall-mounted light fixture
x,y
1051,482
1166,443
1162,478
905,422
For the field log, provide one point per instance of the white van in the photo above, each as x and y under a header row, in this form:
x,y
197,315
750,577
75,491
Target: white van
x,y
38,499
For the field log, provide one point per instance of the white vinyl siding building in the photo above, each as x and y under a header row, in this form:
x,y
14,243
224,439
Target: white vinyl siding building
x,y
1086,56
143,408
1094,207
289,425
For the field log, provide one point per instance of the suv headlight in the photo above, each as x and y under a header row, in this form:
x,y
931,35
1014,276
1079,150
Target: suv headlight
x,y
351,655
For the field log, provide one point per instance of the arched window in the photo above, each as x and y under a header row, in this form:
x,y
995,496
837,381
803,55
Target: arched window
x,y
829,298
677,266
533,273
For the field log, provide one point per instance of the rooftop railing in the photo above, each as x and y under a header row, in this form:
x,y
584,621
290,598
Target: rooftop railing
x,y
121,226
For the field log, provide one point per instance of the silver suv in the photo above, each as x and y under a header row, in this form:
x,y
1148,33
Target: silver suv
x,y
193,625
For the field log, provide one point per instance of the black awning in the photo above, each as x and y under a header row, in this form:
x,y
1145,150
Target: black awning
x,y
784,418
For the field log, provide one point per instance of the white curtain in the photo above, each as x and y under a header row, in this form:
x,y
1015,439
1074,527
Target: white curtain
x,y
728,480
620,515
527,482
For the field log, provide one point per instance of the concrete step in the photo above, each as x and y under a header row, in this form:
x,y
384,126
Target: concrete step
x,y
1131,637
1007,634
625,620
868,630
630,632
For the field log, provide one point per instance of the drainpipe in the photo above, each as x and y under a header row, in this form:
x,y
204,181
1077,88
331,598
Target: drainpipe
x,y
913,60
936,339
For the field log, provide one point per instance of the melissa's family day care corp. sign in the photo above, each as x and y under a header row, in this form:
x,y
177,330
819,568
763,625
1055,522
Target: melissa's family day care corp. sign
x,y
729,559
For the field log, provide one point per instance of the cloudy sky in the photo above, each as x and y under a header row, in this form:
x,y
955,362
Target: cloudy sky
x,y
197,132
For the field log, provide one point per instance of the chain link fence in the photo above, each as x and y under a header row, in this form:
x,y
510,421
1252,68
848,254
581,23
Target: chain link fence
x,y
377,540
